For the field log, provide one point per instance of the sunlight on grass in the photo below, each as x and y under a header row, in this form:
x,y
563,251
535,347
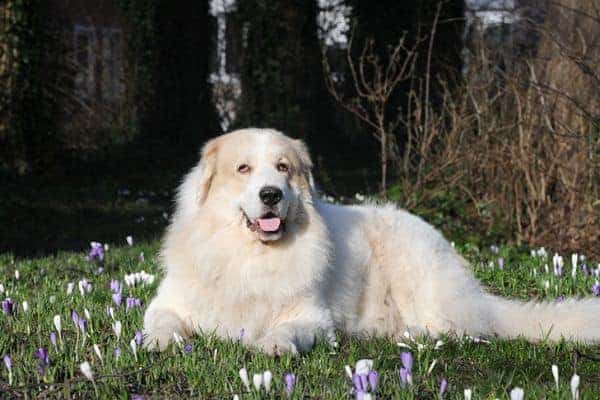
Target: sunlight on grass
x,y
99,303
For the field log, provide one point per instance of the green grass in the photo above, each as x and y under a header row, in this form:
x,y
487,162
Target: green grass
x,y
211,369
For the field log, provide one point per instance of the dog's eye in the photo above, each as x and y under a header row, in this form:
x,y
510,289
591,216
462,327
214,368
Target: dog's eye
x,y
282,167
244,169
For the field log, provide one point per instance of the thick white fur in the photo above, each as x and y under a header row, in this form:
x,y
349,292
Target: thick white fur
x,y
367,269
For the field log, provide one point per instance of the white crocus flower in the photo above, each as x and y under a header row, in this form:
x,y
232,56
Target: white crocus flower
x,y
87,314
574,258
86,370
348,371
555,374
57,324
17,274
244,378
267,377
438,345
468,394
117,327
98,352
432,366
133,346
575,387
129,240
363,367
257,381
25,305
517,394
70,287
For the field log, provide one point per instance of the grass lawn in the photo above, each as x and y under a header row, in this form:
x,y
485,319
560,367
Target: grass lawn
x,y
209,368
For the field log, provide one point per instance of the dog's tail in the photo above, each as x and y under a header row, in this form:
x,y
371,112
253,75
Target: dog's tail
x,y
571,319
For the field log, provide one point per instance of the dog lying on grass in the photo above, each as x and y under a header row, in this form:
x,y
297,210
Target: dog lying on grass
x,y
252,249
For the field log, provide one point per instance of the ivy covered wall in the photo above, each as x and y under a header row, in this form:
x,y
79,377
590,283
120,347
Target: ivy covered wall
x,y
46,119
27,104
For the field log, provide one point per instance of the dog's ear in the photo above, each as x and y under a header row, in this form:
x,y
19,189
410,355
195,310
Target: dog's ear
x,y
195,186
305,164
207,168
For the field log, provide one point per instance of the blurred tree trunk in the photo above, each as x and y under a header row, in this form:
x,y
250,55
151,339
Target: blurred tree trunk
x,y
281,76
182,110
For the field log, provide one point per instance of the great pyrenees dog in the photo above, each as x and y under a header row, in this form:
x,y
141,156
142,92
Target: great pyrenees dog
x,y
253,254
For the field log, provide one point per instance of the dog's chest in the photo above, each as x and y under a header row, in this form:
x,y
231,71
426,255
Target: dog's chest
x,y
235,316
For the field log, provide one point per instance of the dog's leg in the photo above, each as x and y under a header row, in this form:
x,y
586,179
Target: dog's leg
x,y
296,329
160,324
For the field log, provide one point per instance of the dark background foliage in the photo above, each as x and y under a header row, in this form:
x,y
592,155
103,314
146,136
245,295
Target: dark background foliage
x,y
76,167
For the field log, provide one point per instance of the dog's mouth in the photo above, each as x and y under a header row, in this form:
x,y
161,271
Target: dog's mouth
x,y
269,226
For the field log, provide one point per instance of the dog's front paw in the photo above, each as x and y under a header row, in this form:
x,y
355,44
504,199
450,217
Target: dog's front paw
x,y
276,345
157,340
160,328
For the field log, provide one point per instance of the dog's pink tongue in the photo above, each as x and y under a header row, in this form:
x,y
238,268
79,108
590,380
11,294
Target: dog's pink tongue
x,y
269,224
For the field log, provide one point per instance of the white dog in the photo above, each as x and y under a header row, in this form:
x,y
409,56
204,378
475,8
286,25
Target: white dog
x,y
252,254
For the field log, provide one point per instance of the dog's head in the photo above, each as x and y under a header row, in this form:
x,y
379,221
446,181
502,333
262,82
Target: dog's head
x,y
257,178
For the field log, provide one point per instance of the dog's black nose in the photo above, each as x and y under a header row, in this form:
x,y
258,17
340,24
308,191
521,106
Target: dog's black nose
x,y
270,195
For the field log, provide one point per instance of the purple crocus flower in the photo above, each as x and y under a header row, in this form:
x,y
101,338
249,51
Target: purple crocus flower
x,y
443,387
139,338
407,360
560,299
596,289
132,302
500,262
585,269
358,385
75,317
82,324
360,395
373,378
117,352
42,355
242,333
290,383
117,298
115,286
8,362
364,382
8,306
404,374
53,340
137,397
96,252
188,348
